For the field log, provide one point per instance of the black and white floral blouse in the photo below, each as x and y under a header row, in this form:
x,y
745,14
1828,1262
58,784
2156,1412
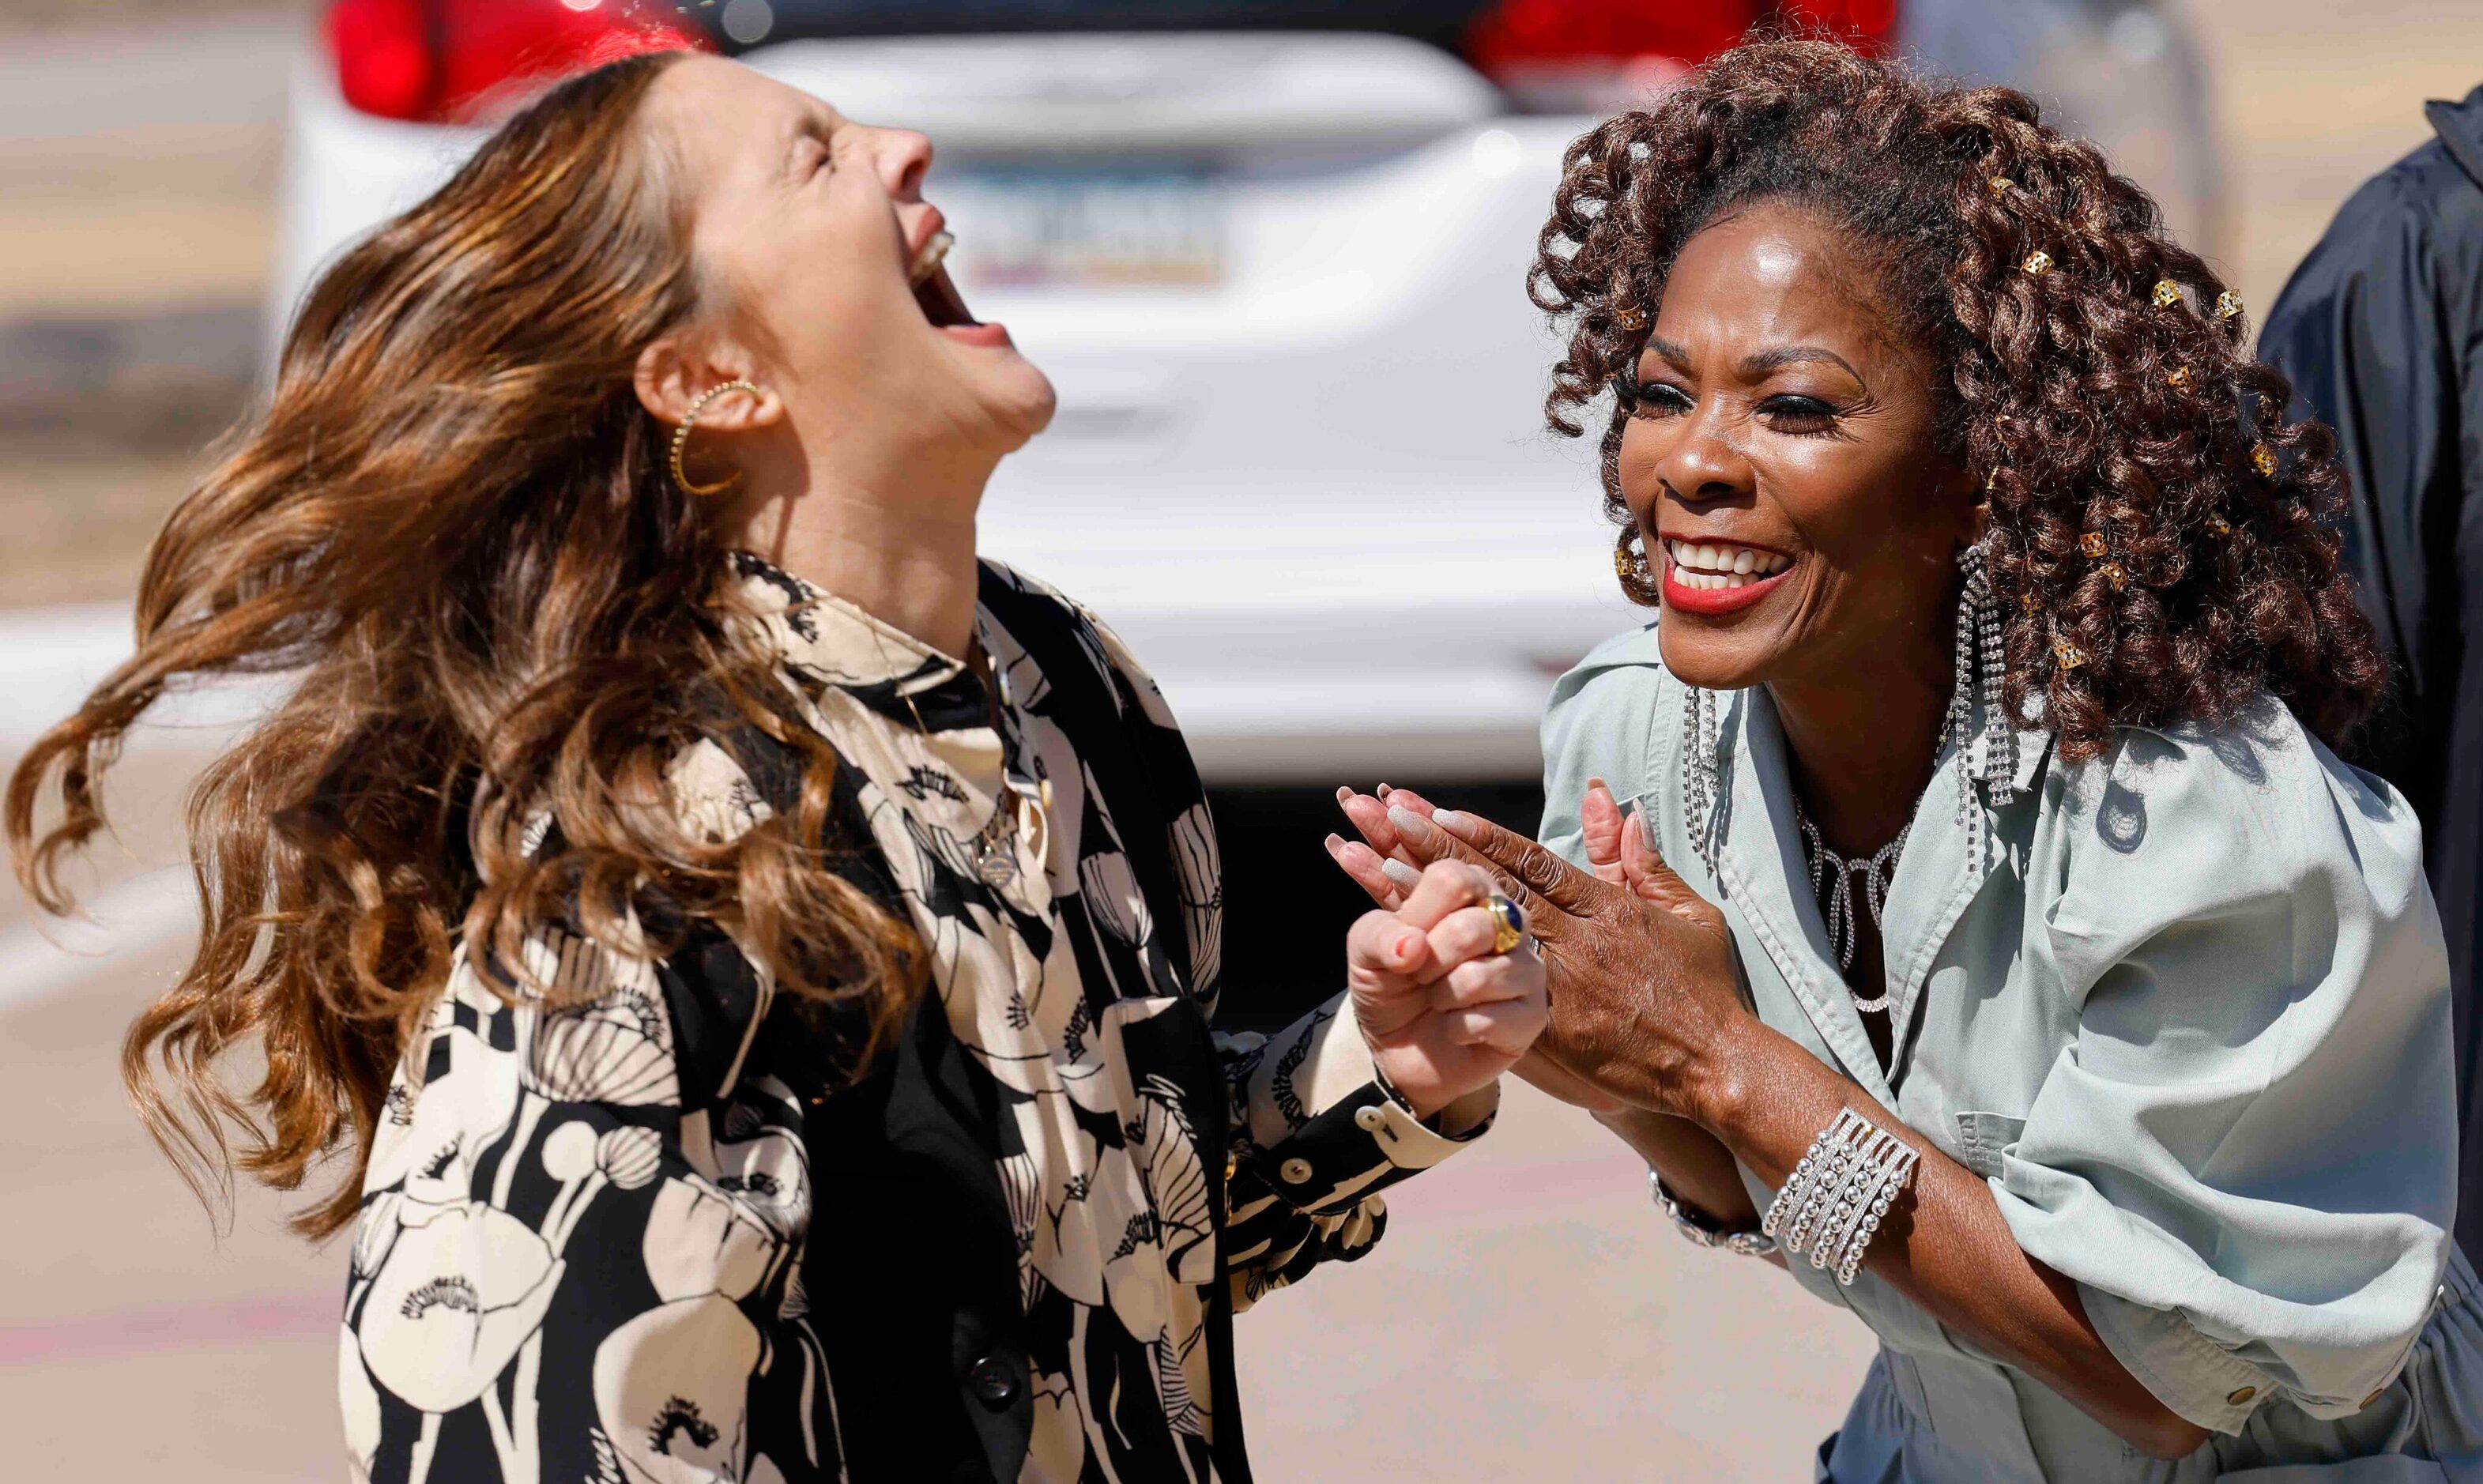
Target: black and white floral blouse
x,y
595,1241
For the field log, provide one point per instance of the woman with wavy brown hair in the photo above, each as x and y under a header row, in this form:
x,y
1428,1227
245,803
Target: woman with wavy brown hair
x,y
756,957
1997,944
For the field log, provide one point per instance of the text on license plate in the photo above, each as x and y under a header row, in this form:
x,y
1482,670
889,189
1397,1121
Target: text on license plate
x,y
1075,229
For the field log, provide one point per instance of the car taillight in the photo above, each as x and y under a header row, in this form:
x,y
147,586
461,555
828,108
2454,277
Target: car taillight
x,y
450,61
1601,55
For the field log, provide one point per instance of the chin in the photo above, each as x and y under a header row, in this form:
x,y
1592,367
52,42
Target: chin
x,y
1709,661
1022,401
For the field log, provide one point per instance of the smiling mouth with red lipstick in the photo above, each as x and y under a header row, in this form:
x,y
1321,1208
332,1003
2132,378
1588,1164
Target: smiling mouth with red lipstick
x,y
1712,577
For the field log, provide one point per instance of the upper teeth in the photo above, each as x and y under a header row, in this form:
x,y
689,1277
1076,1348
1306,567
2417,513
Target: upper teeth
x,y
927,261
1701,566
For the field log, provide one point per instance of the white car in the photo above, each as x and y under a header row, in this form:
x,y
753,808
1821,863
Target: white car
x,y
1273,252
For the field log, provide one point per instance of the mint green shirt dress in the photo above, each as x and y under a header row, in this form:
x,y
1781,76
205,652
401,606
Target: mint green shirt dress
x,y
2189,1016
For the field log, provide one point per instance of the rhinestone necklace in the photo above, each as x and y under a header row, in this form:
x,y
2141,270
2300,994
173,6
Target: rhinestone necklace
x,y
1831,880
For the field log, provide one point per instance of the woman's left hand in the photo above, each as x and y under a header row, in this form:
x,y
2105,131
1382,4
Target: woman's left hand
x,y
1646,998
1445,1015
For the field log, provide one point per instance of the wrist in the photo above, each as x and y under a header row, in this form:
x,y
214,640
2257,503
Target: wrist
x,y
1718,1084
1424,1106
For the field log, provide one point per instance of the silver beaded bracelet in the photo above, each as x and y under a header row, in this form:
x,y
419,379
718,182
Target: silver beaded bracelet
x,y
1833,1203
1703,1229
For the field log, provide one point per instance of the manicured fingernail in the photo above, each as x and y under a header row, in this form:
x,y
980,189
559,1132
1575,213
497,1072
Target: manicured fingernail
x,y
1335,844
1344,794
1412,826
1401,873
1646,828
1406,945
1454,823
1595,783
1386,790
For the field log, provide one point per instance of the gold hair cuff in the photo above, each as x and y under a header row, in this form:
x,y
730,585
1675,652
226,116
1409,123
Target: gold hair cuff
x,y
2093,545
2218,525
2178,379
2167,293
2038,263
2001,185
2263,459
2228,304
1630,318
2069,655
2113,573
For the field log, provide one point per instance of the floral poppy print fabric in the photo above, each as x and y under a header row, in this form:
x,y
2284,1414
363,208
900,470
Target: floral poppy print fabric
x,y
580,1254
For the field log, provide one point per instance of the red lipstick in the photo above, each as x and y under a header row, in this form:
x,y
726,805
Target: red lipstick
x,y
1715,602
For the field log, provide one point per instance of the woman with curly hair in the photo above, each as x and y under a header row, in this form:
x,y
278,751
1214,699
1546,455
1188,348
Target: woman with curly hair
x,y
1976,920
754,959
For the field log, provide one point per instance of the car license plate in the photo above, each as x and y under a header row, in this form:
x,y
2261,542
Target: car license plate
x,y
1084,229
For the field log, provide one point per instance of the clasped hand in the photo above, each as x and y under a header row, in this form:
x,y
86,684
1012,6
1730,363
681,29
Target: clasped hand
x,y
1444,1014
1646,989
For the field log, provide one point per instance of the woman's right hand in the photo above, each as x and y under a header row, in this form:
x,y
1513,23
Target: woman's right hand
x,y
1387,881
1646,1004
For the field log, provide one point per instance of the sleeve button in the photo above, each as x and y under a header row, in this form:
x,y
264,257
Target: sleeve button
x,y
2242,1395
1371,1119
1297,1172
992,1380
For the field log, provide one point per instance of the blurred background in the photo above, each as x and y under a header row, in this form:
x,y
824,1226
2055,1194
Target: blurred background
x,y
1273,252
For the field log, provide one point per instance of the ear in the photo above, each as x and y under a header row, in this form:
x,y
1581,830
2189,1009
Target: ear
x,y
1977,523
677,369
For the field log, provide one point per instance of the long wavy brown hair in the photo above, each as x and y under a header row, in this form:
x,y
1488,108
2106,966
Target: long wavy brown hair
x,y
454,530
2084,405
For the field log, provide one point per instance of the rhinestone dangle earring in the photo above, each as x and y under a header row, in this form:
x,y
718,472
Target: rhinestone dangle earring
x,y
1982,672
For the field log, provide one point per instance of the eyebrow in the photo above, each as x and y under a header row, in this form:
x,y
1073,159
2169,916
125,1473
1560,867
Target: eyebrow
x,y
1760,362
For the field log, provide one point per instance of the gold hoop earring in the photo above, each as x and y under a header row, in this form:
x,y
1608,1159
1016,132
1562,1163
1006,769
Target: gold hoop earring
x,y
1630,564
681,441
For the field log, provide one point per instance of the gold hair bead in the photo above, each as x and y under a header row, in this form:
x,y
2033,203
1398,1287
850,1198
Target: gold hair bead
x,y
1629,318
2030,602
2038,263
2263,459
2218,525
2228,304
2093,545
2001,185
2112,572
2167,293
2179,378
2069,655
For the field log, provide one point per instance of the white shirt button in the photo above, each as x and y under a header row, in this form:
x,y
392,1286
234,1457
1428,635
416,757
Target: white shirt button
x,y
1371,1119
1295,1171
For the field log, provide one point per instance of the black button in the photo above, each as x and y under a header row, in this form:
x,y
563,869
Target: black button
x,y
992,1380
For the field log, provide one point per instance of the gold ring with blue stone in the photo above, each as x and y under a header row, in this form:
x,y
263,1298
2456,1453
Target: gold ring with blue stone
x,y
1507,923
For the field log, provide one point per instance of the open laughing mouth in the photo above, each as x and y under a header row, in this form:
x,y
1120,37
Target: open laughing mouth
x,y
938,298
1718,577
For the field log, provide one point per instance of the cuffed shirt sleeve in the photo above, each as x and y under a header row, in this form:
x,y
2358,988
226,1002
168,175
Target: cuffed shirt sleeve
x,y
1316,1136
2242,1157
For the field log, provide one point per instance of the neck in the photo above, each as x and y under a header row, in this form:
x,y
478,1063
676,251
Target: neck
x,y
1863,743
895,539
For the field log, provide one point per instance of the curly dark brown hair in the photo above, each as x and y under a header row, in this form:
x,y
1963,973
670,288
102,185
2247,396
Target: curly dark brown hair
x,y
2083,402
